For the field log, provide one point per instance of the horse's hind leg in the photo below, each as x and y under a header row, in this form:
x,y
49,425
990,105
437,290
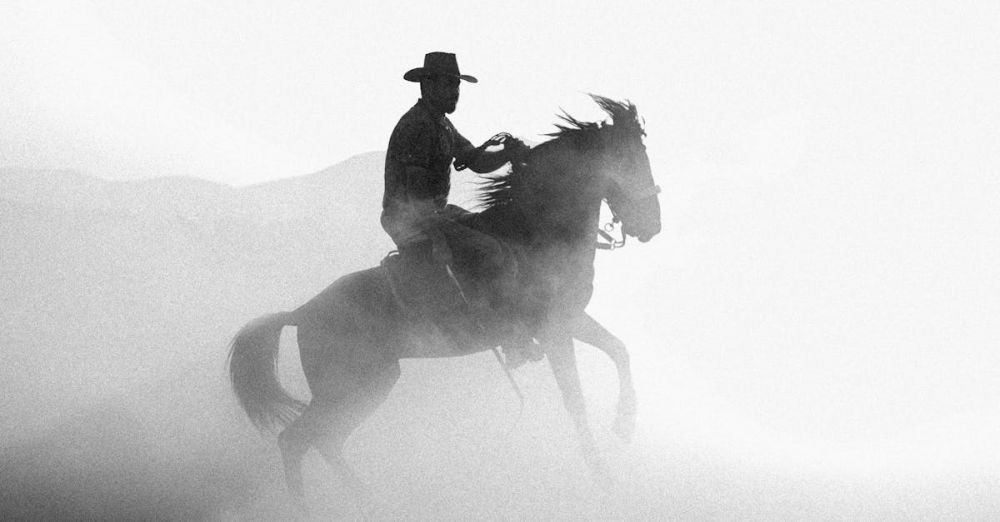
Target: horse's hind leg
x,y
300,435
589,331
295,441
349,410
332,415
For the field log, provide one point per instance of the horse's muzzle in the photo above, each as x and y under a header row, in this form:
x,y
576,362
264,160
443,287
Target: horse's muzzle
x,y
643,235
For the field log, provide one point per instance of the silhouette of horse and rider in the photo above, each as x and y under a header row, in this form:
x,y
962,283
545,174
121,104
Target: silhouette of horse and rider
x,y
519,273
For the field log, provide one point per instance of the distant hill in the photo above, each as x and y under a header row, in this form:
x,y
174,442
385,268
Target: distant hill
x,y
355,182
127,293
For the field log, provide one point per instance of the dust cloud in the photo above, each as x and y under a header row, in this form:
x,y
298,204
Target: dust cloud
x,y
780,375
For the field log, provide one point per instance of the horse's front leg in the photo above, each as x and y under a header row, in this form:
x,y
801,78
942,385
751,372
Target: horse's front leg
x,y
589,331
562,359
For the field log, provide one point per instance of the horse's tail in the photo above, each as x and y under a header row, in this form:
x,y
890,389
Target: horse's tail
x,y
253,355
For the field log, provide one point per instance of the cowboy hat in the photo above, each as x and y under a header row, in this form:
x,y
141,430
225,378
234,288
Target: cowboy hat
x,y
443,64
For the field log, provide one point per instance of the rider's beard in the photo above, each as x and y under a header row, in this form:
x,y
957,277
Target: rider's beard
x,y
443,105
449,105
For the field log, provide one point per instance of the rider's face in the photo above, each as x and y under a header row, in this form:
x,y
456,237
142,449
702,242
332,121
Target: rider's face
x,y
442,92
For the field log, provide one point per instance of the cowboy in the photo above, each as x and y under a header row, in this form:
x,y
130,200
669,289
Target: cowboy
x,y
422,149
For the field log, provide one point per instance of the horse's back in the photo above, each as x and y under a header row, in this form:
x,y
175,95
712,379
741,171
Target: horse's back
x,y
357,308
362,292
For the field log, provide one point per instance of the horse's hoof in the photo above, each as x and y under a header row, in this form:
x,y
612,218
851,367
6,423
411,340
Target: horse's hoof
x,y
603,478
624,427
367,509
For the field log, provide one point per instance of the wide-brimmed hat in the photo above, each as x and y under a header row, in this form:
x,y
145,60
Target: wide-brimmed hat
x,y
443,64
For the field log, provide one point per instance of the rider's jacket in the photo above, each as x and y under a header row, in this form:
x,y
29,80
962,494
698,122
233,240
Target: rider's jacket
x,y
430,142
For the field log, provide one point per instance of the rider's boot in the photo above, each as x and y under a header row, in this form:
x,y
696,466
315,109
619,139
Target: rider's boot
x,y
519,345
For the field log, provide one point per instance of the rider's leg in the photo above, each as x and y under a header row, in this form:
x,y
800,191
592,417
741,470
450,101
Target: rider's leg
x,y
493,274
480,254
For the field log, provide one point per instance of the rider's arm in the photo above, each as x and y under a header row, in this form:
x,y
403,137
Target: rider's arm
x,y
480,159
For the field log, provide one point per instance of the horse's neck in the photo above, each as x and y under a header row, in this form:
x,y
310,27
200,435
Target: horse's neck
x,y
566,210
564,204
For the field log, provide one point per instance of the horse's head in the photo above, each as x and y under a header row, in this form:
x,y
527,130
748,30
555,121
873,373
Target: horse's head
x,y
604,160
632,193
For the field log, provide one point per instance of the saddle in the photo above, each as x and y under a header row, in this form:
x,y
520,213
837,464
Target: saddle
x,y
473,312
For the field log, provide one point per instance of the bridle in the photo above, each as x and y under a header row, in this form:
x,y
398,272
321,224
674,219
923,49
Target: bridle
x,y
606,231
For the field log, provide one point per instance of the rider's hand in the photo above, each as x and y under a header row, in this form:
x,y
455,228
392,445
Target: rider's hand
x,y
515,149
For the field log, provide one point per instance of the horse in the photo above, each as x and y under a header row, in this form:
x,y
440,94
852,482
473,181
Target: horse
x,y
352,335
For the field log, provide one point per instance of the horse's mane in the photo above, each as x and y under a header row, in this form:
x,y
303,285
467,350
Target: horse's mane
x,y
497,189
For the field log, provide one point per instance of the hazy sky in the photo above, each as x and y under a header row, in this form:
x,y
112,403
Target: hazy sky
x,y
247,91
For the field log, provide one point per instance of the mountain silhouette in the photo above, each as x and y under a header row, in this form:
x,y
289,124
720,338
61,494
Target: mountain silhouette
x,y
353,182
